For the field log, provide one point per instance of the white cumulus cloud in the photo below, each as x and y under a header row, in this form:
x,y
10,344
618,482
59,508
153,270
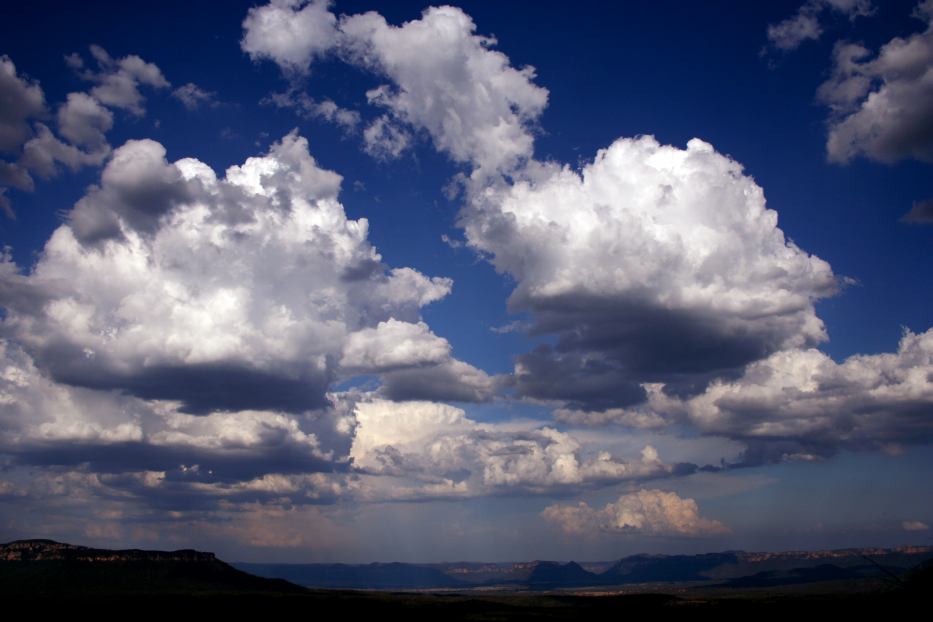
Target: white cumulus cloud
x,y
650,263
800,402
432,447
645,512
224,293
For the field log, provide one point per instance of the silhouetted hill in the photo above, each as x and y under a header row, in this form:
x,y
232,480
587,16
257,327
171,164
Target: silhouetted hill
x,y
652,568
794,576
369,576
920,578
48,567
553,574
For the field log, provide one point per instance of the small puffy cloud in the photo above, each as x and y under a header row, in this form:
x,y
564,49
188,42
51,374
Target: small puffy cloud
x,y
920,214
646,512
193,96
44,152
330,111
882,107
804,25
432,447
12,174
790,33
385,140
234,293
915,525
20,101
83,121
393,345
309,108
290,32
800,404
118,80
651,264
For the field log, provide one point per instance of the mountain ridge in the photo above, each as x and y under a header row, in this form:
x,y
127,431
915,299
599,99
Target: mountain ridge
x,y
189,569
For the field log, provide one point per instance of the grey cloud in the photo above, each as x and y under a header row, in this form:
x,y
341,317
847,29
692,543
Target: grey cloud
x,y
118,80
83,121
193,97
801,405
225,466
43,153
581,380
804,25
14,175
47,423
449,381
20,101
310,108
882,107
138,187
384,139
921,213
201,388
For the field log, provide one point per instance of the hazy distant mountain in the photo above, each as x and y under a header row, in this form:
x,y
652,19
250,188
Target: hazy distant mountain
x,y
780,568
651,568
36,567
823,572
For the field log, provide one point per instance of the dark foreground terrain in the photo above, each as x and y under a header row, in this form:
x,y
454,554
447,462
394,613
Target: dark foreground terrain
x,y
45,576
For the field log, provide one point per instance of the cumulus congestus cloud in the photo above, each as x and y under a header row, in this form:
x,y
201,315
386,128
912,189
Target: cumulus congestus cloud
x,y
229,293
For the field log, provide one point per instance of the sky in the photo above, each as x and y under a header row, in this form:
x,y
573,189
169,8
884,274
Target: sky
x,y
342,281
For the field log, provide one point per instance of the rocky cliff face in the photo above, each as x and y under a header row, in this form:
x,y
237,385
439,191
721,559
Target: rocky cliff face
x,y
49,550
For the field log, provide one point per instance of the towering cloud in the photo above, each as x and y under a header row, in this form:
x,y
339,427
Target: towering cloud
x,y
645,512
225,294
651,264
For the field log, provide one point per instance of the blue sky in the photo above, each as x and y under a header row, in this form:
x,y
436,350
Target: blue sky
x,y
585,333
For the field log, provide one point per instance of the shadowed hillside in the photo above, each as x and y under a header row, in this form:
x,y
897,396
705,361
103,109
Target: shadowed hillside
x,y
45,567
